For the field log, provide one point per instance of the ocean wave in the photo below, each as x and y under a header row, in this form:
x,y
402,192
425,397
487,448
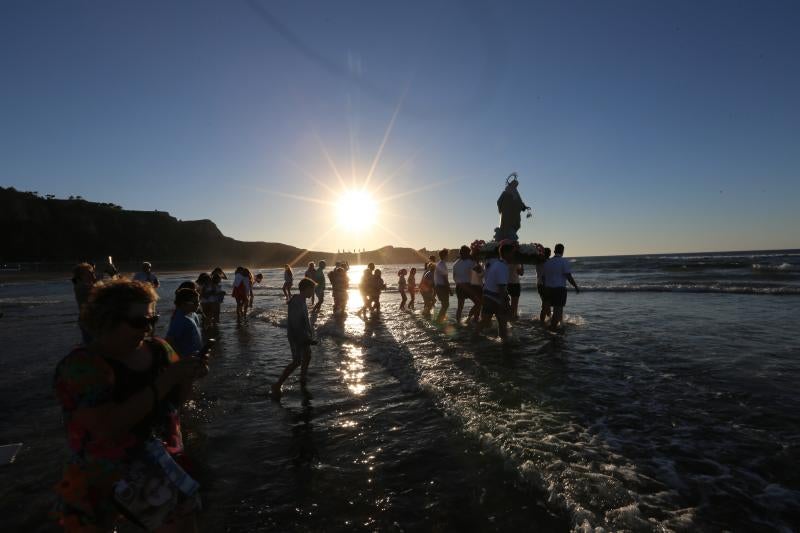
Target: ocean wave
x,y
740,289
783,267
687,288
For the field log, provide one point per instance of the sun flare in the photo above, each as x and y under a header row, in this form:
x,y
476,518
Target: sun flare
x,y
356,210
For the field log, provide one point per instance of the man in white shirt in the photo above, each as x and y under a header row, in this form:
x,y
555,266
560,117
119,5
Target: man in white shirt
x,y
495,294
442,285
462,275
557,271
146,275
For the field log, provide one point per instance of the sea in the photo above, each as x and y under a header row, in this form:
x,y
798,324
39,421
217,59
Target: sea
x,y
670,402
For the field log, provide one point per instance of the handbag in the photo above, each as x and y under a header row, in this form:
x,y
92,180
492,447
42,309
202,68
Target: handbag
x,y
155,487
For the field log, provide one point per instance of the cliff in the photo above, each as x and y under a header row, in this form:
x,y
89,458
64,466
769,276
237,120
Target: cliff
x,y
38,229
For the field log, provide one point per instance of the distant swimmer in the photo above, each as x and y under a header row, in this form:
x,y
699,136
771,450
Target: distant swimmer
x,y
301,336
146,275
557,271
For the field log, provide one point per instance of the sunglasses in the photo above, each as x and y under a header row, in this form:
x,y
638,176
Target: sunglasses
x,y
141,322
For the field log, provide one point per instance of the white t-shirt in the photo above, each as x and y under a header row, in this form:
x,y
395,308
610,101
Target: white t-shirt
x,y
513,276
496,275
440,274
462,270
555,270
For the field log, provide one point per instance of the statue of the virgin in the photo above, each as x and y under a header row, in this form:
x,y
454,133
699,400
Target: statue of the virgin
x,y
510,205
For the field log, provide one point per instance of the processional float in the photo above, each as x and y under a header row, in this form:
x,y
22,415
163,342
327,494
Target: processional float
x,y
510,206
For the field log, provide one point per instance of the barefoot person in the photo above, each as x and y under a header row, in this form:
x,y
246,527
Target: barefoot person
x,y
462,271
207,297
442,284
251,281
426,290
339,285
242,292
365,287
301,336
311,273
412,287
557,272
377,287
216,303
319,290
402,285
495,294
288,281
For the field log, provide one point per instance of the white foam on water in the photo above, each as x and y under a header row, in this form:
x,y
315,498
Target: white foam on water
x,y
783,267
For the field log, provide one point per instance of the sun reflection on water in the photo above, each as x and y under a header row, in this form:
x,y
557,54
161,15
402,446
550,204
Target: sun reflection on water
x,y
352,369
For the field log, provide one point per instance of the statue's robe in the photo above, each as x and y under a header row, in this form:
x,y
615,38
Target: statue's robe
x,y
510,206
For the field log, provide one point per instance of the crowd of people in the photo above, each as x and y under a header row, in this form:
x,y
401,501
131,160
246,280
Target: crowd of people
x,y
121,389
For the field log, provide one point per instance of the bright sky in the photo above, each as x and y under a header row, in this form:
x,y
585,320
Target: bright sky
x,y
635,127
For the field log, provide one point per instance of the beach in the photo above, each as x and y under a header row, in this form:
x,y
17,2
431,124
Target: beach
x,y
669,403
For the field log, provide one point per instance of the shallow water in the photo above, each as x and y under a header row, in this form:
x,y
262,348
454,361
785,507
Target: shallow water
x,y
658,409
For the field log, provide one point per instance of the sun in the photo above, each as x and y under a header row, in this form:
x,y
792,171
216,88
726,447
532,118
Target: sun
x,y
356,210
